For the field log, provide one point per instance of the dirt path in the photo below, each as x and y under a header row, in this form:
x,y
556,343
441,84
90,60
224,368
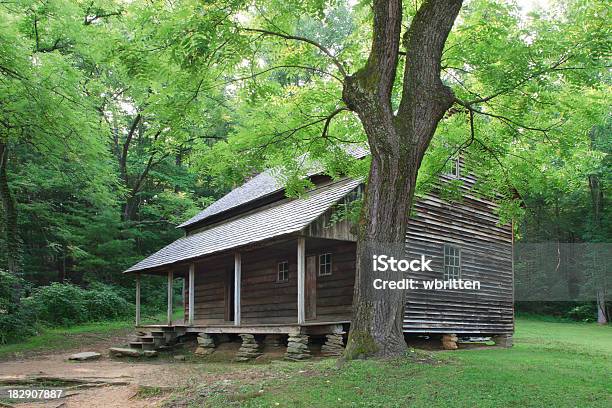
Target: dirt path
x,y
146,373
158,374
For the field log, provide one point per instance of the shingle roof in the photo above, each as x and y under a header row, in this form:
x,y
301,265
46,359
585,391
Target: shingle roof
x,y
286,217
265,183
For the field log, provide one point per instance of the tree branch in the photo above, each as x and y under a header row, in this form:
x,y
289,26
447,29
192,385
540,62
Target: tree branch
x,y
286,134
126,147
305,67
323,49
55,46
329,119
523,81
504,119
90,19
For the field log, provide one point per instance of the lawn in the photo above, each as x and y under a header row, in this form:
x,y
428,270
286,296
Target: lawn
x,y
58,338
61,338
551,365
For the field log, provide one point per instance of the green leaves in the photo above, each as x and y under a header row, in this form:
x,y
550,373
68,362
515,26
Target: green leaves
x,y
224,89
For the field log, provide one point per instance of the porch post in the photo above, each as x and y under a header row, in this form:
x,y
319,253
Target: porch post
x,y
237,280
170,281
191,293
138,299
183,292
301,279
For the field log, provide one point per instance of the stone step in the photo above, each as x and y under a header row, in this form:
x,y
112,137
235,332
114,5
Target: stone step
x,y
145,339
124,351
141,345
131,352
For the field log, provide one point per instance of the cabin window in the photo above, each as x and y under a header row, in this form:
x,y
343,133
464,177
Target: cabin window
x,y
453,167
354,195
452,262
325,264
283,271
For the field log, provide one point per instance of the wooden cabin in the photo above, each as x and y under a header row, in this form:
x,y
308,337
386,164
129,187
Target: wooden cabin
x,y
257,262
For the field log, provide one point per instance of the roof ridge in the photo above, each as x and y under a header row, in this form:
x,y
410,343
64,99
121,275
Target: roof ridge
x,y
283,219
259,186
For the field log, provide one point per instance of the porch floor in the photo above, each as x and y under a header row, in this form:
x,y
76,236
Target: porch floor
x,y
313,327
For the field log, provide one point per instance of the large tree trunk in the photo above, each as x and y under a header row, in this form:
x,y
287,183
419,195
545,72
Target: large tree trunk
x,y
398,143
13,243
602,308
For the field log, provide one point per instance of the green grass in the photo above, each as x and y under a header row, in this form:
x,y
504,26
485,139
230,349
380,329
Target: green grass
x,y
551,365
56,338
62,337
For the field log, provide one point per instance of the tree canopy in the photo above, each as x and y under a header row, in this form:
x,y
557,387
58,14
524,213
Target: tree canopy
x,y
120,119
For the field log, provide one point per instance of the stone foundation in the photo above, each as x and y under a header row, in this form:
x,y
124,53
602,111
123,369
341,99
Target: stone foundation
x,y
249,349
206,344
503,340
334,345
449,341
297,347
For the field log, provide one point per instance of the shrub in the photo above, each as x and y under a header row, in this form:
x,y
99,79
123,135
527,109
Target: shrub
x,y
104,302
16,322
17,325
8,295
584,313
59,304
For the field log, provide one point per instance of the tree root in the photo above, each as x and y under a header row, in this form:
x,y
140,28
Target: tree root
x,y
66,383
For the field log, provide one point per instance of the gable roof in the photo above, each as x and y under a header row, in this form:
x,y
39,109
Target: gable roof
x,y
259,186
285,217
265,183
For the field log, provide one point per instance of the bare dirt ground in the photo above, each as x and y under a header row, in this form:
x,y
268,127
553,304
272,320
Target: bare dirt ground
x,y
121,382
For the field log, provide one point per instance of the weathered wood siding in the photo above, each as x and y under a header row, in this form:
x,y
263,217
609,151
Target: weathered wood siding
x,y
335,292
486,256
264,300
327,227
471,225
209,291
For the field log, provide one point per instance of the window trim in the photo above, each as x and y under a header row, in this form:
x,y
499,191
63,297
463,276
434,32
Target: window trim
x,y
278,271
321,255
457,254
455,169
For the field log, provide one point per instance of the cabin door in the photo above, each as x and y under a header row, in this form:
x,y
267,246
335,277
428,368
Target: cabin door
x,y
229,295
310,287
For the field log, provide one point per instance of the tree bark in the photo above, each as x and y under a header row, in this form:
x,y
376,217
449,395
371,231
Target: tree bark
x,y
13,243
397,143
602,308
597,202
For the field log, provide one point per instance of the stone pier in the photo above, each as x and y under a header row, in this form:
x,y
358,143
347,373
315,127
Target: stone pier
x,y
249,349
297,347
206,344
334,345
503,340
449,341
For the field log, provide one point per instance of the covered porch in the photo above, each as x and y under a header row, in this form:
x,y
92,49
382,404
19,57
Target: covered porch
x,y
291,284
